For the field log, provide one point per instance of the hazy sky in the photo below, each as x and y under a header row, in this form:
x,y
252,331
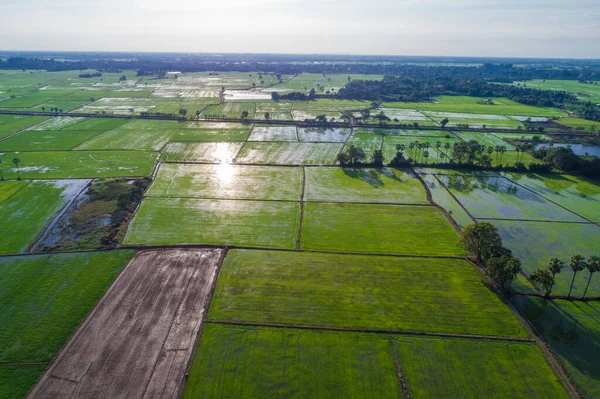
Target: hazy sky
x,y
528,28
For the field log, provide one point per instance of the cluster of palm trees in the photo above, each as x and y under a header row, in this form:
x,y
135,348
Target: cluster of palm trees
x,y
16,161
461,151
545,277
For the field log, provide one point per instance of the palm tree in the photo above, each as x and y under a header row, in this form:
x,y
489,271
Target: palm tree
x,y
593,266
577,264
16,162
244,114
555,266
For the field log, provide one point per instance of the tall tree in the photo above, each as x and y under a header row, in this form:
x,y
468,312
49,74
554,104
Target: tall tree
x,y
577,264
16,161
481,239
267,116
593,266
555,266
378,157
444,122
244,114
356,154
542,278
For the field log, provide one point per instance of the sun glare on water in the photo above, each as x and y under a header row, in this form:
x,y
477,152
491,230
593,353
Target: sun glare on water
x,y
225,172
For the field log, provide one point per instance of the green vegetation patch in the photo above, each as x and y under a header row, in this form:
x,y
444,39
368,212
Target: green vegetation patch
x,y
170,221
572,329
289,153
201,152
230,110
27,211
96,124
585,91
274,133
536,242
460,368
498,198
578,194
16,381
212,132
40,140
383,185
580,124
387,229
436,154
357,291
486,139
78,164
247,362
227,181
45,297
9,187
368,142
15,124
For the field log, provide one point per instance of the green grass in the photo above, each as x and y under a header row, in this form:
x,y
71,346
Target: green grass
x,y
9,188
357,291
386,229
78,164
442,197
459,368
96,124
201,152
15,124
578,194
580,124
572,329
212,132
498,198
331,105
170,221
58,123
465,104
536,242
228,182
40,140
16,381
585,91
119,139
45,297
25,213
246,362
363,185
231,109
289,153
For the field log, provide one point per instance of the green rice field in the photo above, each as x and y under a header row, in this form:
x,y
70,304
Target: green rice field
x,y
178,221
248,362
45,297
385,185
385,229
226,181
289,153
42,140
355,291
16,381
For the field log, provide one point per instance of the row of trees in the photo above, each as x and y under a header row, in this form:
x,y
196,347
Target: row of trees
x,y
461,152
544,278
16,161
565,160
357,156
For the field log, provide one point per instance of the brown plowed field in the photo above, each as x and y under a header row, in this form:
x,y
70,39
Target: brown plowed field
x,y
138,340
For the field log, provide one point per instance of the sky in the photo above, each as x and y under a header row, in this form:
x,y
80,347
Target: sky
x,y
500,28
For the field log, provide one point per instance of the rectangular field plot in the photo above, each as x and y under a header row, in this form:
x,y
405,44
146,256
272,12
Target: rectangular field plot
x,y
358,291
96,124
301,115
226,181
253,362
536,242
201,152
45,297
367,142
273,133
383,185
460,368
25,213
40,140
16,381
138,339
572,329
12,124
230,110
169,221
442,197
577,194
387,229
289,153
486,139
58,123
212,132
9,187
323,135
78,164
498,198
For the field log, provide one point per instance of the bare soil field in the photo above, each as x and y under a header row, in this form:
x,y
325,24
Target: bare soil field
x,y
138,340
